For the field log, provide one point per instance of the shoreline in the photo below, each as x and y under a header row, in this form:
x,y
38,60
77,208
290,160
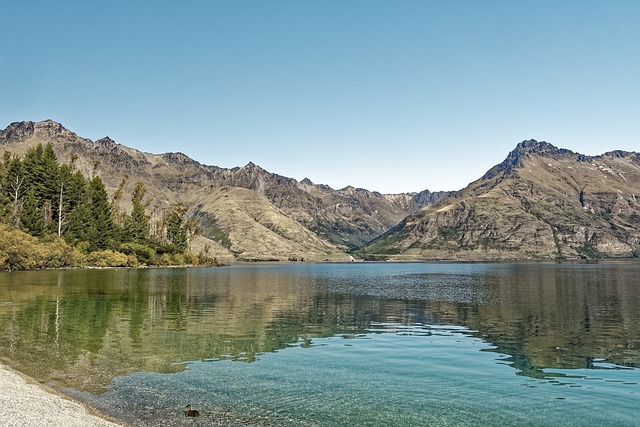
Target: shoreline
x,y
25,401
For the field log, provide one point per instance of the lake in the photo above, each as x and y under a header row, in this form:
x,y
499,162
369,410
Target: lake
x,y
360,344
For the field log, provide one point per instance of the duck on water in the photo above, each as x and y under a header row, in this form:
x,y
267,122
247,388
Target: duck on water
x,y
191,412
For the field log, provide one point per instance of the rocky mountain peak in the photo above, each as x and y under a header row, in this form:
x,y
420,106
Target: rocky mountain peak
x,y
49,129
621,154
426,197
45,131
178,158
107,142
527,148
253,170
17,131
252,166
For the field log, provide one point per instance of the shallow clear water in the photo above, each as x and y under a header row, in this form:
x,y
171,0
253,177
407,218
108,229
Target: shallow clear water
x,y
336,344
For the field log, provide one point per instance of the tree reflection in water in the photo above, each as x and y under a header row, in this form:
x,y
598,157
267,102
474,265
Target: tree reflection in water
x,y
81,328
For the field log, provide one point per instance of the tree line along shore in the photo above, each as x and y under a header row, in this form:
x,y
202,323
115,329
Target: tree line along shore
x,y
52,216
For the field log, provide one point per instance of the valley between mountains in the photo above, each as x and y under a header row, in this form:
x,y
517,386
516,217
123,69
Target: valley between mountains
x,y
541,202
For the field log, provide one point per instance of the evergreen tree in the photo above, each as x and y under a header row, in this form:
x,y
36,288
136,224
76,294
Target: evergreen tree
x,y
33,169
175,231
31,218
90,220
137,225
78,227
41,174
77,221
74,184
51,168
102,226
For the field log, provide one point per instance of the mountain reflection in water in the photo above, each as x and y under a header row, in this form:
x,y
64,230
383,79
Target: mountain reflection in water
x,y
82,328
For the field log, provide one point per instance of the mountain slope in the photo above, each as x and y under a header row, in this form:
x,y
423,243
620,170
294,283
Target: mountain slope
x,y
255,228
541,202
274,218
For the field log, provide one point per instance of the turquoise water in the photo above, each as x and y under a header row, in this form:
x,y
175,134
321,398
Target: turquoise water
x,y
413,377
338,344
403,376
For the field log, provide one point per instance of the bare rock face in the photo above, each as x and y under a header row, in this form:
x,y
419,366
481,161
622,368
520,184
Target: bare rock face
x,y
540,203
36,131
20,131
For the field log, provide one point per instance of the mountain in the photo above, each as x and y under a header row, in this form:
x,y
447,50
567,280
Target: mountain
x,y
246,213
541,202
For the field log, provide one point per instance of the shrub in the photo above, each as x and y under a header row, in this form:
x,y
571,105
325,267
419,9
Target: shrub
x,y
178,259
145,254
208,261
132,261
107,258
164,259
191,258
60,254
21,251
83,247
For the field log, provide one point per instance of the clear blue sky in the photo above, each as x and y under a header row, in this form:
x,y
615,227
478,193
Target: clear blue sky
x,y
391,96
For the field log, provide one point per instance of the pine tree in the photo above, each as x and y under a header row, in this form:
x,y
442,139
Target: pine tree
x,y
33,169
31,218
175,231
79,227
101,215
51,169
77,220
41,172
137,225
90,220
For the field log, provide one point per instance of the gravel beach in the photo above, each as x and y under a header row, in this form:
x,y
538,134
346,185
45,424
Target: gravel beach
x,y
25,402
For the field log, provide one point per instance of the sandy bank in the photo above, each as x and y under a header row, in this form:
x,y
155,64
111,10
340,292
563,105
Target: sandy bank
x,y
25,402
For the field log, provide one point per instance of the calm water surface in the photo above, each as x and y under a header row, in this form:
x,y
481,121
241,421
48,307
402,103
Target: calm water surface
x,y
336,344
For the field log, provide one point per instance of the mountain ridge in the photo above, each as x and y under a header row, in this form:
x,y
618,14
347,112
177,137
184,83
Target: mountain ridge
x,y
541,202
339,219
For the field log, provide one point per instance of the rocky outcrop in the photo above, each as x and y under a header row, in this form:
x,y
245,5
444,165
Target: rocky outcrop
x,y
426,198
47,129
522,151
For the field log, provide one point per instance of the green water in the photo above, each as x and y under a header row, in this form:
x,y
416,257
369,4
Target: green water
x,y
377,344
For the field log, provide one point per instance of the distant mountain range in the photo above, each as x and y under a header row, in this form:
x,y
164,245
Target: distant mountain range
x,y
540,202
